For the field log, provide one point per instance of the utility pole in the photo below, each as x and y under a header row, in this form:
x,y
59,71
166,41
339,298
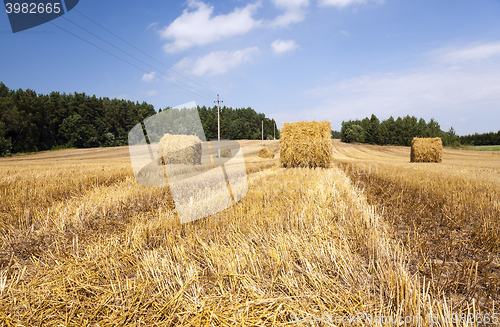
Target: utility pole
x,y
262,131
218,126
274,127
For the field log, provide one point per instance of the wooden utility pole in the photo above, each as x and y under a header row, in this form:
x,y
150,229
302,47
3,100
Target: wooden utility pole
x,y
218,126
262,131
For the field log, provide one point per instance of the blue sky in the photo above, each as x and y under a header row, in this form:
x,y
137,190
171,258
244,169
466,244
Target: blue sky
x,y
293,60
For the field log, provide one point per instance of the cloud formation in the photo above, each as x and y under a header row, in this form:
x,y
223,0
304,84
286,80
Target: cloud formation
x,y
198,27
294,12
154,24
472,53
455,90
281,46
345,3
150,77
217,62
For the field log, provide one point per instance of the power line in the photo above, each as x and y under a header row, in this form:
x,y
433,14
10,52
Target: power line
x,y
128,62
146,54
130,54
191,88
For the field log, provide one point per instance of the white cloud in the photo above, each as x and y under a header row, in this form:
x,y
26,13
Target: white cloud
x,y
198,27
150,77
345,3
473,52
280,46
217,62
289,4
450,93
294,12
152,25
344,33
426,90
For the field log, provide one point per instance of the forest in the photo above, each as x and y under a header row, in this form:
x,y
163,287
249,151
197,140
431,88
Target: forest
x,y
31,122
401,131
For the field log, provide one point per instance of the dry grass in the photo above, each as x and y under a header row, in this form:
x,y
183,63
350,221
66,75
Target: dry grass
x,y
445,215
99,249
306,144
266,153
426,149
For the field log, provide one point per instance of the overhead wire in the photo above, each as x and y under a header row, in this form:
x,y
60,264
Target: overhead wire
x,y
201,94
144,53
190,89
149,56
141,61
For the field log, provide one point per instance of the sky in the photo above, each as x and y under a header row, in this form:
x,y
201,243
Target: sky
x,y
292,60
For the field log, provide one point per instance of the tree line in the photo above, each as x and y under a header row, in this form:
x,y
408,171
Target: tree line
x,y
237,124
401,131
31,122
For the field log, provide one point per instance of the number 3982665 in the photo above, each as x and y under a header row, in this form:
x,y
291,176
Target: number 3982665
x,y
33,8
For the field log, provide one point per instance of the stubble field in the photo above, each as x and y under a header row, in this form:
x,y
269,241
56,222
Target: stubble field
x,y
81,243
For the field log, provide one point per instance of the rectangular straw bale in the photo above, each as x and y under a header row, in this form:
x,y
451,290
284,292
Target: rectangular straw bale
x,y
306,144
426,149
180,149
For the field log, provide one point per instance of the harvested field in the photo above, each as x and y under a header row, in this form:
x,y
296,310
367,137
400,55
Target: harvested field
x,y
81,243
444,215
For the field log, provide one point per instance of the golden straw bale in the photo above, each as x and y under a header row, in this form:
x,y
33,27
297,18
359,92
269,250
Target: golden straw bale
x,y
306,144
225,152
266,153
180,149
426,149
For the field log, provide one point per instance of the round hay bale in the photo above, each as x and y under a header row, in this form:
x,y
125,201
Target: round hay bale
x,y
306,144
225,152
266,153
426,149
180,149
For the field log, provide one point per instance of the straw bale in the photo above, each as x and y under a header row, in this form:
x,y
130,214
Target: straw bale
x,y
426,149
266,153
225,152
180,149
306,144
